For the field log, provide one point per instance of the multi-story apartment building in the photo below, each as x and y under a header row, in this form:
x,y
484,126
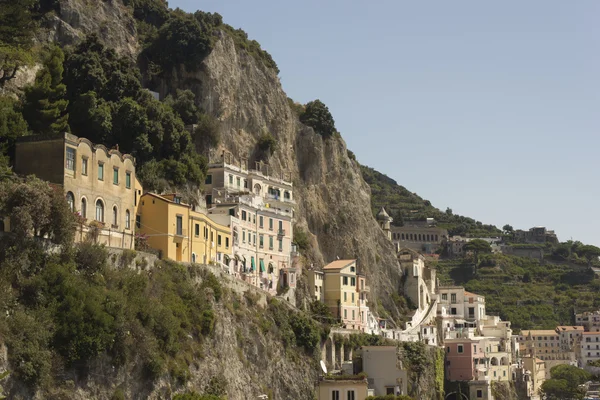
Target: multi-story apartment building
x,y
345,293
180,232
99,184
259,209
570,336
465,358
589,320
534,374
380,363
590,347
545,345
458,308
427,239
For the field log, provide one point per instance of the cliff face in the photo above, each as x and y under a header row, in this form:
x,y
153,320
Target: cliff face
x,y
333,199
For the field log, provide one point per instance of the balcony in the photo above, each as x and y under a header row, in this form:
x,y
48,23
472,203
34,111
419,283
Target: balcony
x,y
180,234
280,233
365,289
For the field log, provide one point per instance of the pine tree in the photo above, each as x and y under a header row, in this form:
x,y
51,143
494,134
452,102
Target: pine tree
x,y
17,27
45,103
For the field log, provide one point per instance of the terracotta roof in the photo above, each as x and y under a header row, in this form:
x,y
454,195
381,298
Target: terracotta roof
x,y
471,294
591,333
338,264
543,332
570,328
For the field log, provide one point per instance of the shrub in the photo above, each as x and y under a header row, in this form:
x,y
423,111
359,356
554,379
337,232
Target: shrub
x,y
317,116
90,257
267,143
301,238
127,257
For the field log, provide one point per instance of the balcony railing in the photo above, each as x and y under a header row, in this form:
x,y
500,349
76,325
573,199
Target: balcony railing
x,y
281,233
181,232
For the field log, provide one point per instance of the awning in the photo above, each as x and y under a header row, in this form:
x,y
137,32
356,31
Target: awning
x,y
262,265
252,264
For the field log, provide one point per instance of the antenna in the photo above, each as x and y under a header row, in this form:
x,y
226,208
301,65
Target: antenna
x,y
323,367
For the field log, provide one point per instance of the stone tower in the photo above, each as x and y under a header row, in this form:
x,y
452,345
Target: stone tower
x,y
385,222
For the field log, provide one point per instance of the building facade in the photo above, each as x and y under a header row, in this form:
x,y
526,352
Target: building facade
x,y
259,210
384,374
590,347
316,281
338,389
99,184
589,320
180,232
345,294
458,308
426,239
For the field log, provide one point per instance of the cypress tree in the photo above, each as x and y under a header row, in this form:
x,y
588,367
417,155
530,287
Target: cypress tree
x,y
45,103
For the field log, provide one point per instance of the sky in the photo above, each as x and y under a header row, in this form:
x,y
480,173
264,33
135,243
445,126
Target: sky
x,y
489,108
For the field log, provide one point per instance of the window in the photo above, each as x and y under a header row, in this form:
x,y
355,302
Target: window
x,y
479,393
280,244
208,180
389,390
453,297
335,395
179,226
261,241
474,348
127,219
471,312
260,221
345,280
231,179
270,224
71,201
345,313
115,216
352,281
197,230
237,179
84,162
448,350
84,207
70,159
218,240
116,176
270,242
100,171
350,392
453,311
243,215
281,227
353,300
345,296
99,211
128,180
243,236
245,183
226,242
444,296
193,257
460,348
138,221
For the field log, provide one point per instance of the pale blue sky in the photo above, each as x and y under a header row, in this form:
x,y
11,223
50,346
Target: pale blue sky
x,y
490,108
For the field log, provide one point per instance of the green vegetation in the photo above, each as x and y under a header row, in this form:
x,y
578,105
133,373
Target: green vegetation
x,y
301,238
523,291
17,29
404,206
389,397
45,105
196,396
267,144
317,116
478,246
564,383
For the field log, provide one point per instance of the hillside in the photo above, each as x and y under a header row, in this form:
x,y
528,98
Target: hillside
x,y
528,294
404,206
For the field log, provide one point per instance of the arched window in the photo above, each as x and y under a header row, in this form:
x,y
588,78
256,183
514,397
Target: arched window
x,y
127,220
286,195
271,268
257,189
83,207
115,216
71,201
99,211
193,257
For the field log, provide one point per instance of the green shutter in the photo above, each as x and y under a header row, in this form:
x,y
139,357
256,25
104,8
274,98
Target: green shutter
x,y
262,265
252,264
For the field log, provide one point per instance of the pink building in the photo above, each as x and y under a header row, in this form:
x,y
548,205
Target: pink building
x,y
465,359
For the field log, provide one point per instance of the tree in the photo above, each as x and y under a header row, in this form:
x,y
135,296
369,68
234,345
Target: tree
x,y
184,104
12,123
565,382
317,116
591,253
448,211
508,229
267,143
17,28
478,246
45,103
206,133
36,209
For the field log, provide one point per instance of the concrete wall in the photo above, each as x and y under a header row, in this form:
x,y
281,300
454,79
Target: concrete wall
x,y
43,158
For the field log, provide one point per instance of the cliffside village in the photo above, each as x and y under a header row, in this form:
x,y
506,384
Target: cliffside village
x,y
244,226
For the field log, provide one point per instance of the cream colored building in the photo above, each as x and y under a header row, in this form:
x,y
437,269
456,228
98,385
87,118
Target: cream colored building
x,y
589,320
337,389
545,345
590,347
345,293
316,280
535,375
384,372
99,184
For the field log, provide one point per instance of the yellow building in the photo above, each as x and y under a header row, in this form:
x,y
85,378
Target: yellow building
x,y
99,184
179,232
535,375
355,389
344,294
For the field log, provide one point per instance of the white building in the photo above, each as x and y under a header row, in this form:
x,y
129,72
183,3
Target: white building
x,y
590,347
